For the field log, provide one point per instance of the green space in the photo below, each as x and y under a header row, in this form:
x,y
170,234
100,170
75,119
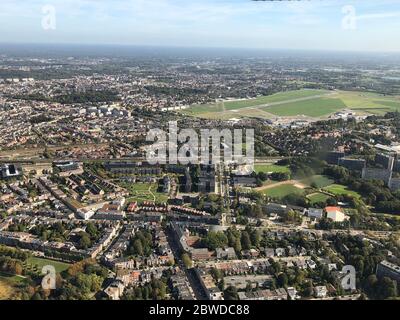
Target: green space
x,y
247,103
318,197
275,98
319,181
36,264
282,191
266,168
142,192
312,108
310,103
338,189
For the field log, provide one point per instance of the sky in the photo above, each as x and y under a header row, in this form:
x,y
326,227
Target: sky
x,y
358,25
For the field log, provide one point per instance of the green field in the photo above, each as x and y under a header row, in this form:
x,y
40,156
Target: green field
x,y
320,181
312,108
36,264
338,189
270,168
141,192
318,197
282,191
369,103
309,103
278,97
221,107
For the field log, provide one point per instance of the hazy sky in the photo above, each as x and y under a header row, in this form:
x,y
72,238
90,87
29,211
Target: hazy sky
x,y
309,24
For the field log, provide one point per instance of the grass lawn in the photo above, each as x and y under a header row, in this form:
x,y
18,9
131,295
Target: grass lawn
x,y
338,189
360,102
312,108
282,191
198,109
320,181
270,168
39,263
318,197
201,110
315,106
369,103
278,97
141,192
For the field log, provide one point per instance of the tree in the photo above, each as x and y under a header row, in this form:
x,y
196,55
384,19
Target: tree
x,y
91,229
308,290
387,288
215,240
186,260
245,240
280,176
230,293
217,274
238,245
282,280
85,241
255,237
371,284
138,247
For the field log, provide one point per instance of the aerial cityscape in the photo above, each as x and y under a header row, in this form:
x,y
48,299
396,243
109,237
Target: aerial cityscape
x,y
100,199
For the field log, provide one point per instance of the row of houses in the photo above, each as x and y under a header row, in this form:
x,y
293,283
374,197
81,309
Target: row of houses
x,y
31,242
277,294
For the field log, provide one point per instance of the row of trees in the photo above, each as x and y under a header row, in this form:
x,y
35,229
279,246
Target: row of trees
x,y
239,240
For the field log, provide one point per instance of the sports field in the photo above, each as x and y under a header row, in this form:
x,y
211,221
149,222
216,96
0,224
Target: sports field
x,y
282,191
308,103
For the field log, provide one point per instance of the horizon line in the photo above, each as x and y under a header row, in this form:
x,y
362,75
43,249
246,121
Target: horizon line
x,y
194,47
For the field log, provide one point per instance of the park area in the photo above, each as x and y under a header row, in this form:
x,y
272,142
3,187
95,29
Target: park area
x,y
340,190
317,188
141,192
35,264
